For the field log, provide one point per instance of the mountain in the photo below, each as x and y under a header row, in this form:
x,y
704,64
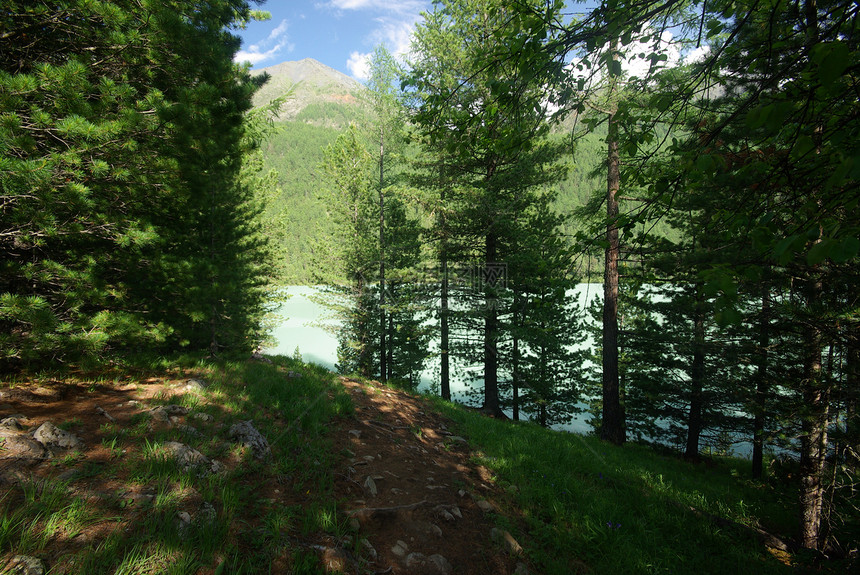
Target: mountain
x,y
321,94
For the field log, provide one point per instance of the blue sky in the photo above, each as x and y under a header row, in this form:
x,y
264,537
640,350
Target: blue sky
x,y
339,33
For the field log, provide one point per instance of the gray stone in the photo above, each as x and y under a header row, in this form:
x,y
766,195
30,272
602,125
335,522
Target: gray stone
x,y
207,514
204,417
433,564
195,385
485,505
54,438
26,565
506,540
104,413
370,486
369,549
21,446
189,458
246,434
521,569
173,409
400,548
189,430
442,565
355,433
11,423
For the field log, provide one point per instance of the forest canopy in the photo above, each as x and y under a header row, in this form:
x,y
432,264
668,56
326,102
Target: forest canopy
x,y
125,223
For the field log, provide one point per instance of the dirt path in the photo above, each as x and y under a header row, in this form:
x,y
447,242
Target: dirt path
x,y
402,478
408,480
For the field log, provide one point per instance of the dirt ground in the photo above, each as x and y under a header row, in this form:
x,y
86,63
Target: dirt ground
x,y
405,480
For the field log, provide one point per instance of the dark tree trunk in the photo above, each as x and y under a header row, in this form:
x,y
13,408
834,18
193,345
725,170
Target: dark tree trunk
x,y
813,439
697,377
383,352
612,428
444,355
491,332
515,363
760,405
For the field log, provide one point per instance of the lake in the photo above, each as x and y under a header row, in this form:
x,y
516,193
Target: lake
x,y
306,325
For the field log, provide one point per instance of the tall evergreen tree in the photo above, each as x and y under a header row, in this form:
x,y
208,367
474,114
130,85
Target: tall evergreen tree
x,y
122,133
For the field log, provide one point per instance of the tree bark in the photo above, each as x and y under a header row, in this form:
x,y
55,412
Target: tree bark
x,y
697,377
491,333
444,355
383,354
813,439
612,428
760,404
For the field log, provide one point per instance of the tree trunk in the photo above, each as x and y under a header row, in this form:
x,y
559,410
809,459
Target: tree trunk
x,y
813,439
515,362
444,355
697,377
383,352
612,428
761,389
491,333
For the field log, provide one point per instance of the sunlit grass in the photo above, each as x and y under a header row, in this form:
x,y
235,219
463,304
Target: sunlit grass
x,y
621,509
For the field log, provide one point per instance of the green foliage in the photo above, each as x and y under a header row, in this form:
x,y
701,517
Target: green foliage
x,y
122,138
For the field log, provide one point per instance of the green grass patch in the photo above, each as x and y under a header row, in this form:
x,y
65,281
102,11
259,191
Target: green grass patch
x,y
583,504
241,530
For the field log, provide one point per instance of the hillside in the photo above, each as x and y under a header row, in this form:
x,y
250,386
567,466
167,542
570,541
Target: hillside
x,y
332,97
160,471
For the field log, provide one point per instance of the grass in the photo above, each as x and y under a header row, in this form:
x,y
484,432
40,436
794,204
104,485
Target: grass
x,y
247,533
576,504
580,504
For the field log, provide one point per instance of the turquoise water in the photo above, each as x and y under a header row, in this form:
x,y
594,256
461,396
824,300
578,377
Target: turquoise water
x,y
310,327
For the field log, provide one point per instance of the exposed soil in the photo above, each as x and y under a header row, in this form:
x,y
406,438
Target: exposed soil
x,y
430,494
430,498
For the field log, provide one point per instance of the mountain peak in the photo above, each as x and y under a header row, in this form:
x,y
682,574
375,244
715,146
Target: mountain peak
x,y
310,81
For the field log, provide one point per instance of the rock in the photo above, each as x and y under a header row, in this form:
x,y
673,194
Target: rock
x,y
204,417
293,374
435,564
355,433
189,430
506,540
17,445
257,356
441,564
335,560
416,560
457,439
447,512
189,458
11,423
400,548
104,413
184,518
370,486
485,505
56,439
369,549
521,569
174,410
26,565
247,435
207,514
195,385
425,527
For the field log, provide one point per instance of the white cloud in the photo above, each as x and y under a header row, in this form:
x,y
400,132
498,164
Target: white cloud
x,y
696,55
268,49
358,65
385,6
395,23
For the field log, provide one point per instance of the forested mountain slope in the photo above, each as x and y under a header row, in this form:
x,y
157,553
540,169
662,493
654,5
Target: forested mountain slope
x,y
320,103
